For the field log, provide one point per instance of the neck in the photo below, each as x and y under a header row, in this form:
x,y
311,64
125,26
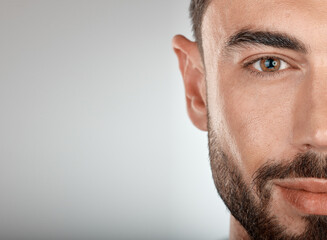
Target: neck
x,y
237,232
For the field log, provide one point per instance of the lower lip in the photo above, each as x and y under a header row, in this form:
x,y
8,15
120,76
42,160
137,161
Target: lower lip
x,y
306,202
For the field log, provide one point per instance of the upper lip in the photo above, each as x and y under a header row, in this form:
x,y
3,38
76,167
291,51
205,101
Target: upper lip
x,y
313,185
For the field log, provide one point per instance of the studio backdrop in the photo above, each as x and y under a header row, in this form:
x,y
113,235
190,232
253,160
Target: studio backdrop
x,y
95,139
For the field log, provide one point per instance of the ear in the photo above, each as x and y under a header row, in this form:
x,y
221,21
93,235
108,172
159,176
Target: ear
x,y
191,67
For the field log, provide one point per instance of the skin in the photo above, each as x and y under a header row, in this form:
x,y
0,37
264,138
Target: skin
x,y
255,117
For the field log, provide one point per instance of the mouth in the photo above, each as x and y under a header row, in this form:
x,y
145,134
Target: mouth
x,y
307,195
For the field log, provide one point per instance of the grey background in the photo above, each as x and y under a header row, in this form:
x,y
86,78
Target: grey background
x,y
95,142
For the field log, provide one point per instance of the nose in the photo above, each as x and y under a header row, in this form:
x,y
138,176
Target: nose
x,y
310,113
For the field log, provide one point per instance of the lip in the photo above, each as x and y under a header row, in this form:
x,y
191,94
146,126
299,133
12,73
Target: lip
x,y
313,185
307,195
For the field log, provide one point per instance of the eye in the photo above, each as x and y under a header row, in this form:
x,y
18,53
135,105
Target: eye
x,y
270,64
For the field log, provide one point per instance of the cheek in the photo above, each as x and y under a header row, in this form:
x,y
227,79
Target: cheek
x,y
258,116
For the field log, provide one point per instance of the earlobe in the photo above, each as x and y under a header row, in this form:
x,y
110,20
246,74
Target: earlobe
x,y
192,70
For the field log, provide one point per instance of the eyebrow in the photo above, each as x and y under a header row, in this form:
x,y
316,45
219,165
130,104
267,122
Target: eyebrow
x,y
267,38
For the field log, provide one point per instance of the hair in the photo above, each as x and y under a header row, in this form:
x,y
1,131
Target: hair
x,y
197,10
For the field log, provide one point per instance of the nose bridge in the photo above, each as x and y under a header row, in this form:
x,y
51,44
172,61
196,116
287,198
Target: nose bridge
x,y
310,127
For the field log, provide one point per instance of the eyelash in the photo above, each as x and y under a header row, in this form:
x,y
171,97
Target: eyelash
x,y
263,74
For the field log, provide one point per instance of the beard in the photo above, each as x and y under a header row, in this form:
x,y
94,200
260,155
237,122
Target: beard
x,y
240,199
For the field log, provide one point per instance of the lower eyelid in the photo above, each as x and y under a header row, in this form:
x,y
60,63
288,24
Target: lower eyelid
x,y
262,74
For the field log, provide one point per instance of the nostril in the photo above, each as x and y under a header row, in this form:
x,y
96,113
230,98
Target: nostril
x,y
307,147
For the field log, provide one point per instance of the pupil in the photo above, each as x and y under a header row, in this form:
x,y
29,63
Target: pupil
x,y
270,63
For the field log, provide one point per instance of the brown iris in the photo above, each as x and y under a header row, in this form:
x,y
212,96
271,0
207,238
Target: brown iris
x,y
270,64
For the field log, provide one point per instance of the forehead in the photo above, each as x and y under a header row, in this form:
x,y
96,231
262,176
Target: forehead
x,y
298,18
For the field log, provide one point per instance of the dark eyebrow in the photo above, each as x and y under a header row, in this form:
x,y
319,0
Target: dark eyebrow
x,y
273,39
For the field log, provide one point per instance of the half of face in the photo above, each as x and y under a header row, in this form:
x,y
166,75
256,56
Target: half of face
x,y
263,84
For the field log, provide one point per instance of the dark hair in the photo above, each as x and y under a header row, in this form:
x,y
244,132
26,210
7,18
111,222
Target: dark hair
x,y
197,10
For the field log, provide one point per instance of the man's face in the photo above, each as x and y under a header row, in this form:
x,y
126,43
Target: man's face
x,y
266,74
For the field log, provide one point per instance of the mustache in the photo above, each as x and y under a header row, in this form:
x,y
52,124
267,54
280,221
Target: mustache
x,y
304,165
